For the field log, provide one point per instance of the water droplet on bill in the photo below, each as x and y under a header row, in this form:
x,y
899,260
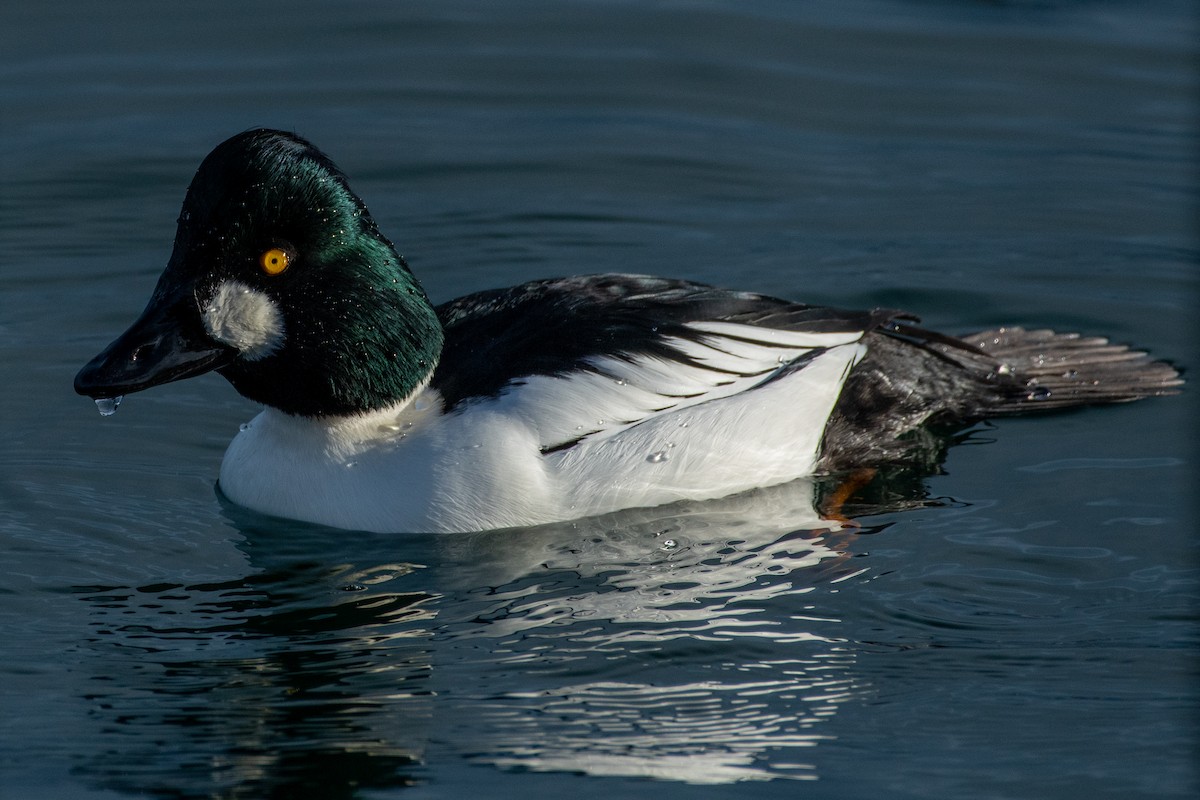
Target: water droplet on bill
x,y
107,406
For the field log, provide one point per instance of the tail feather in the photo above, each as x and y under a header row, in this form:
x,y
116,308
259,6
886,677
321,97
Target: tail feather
x,y
912,379
1043,370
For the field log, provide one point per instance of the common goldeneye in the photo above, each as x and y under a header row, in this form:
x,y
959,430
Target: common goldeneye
x,y
551,400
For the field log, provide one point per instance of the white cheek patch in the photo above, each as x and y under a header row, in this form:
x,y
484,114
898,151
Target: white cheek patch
x,y
244,319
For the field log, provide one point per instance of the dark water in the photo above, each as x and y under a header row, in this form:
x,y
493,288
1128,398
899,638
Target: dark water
x,y
1022,625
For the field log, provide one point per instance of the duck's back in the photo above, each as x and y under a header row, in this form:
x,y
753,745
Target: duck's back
x,y
904,377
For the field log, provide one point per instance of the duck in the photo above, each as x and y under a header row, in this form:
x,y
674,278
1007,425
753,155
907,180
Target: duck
x,y
552,400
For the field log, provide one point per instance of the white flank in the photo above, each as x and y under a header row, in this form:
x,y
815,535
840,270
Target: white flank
x,y
733,413
245,319
624,392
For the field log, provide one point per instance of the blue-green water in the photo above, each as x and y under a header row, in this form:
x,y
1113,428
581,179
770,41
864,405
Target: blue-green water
x,y
1031,634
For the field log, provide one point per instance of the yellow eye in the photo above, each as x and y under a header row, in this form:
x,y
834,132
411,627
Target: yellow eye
x,y
274,261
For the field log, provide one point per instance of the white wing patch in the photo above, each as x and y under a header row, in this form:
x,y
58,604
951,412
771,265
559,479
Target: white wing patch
x,y
615,393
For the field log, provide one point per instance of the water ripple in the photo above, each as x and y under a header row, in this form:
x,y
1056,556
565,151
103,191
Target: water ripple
x,y
1065,464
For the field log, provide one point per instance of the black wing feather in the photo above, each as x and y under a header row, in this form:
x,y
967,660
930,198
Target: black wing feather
x,y
556,326
909,378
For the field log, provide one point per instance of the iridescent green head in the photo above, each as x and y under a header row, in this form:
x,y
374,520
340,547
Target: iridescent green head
x,y
281,281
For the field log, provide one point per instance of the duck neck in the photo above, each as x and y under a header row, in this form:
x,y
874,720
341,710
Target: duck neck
x,y
349,353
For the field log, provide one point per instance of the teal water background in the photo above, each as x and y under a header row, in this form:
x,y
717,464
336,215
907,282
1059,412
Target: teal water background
x,y
1032,634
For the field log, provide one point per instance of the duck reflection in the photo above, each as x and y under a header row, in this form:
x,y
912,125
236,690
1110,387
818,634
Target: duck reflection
x,y
294,682
687,644
681,648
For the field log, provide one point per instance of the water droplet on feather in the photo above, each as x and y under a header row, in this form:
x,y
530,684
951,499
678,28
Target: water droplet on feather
x,y
659,457
107,406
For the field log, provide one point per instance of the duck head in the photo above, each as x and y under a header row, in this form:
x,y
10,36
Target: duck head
x,y
280,281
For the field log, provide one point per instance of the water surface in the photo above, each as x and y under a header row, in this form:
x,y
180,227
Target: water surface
x,y
1021,624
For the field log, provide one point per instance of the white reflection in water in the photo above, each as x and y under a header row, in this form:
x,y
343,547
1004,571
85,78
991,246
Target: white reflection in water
x,y
696,664
709,732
